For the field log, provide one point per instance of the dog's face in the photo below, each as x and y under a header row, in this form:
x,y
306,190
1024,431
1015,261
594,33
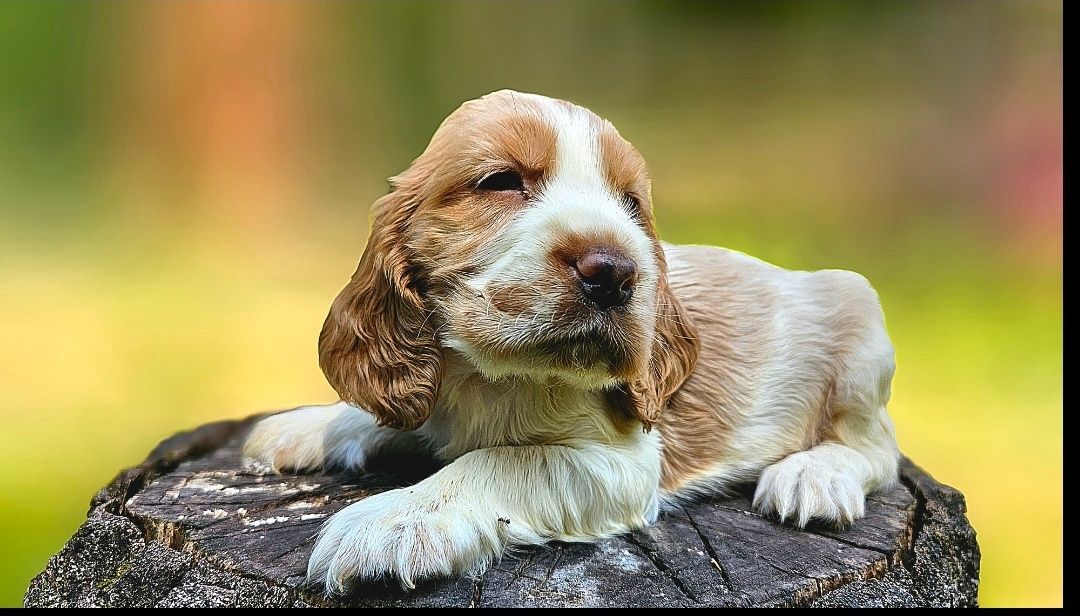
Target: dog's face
x,y
523,239
533,227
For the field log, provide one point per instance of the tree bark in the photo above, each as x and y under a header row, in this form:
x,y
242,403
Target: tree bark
x,y
190,527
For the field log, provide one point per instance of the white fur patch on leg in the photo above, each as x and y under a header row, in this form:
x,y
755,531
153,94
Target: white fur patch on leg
x,y
811,485
409,533
313,437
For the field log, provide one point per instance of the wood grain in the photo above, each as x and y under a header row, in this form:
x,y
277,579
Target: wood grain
x,y
191,527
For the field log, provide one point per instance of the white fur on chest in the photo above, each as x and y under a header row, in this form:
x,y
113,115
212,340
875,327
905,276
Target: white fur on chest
x,y
476,412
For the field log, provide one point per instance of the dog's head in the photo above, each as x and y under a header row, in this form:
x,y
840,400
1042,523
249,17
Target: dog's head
x,y
523,239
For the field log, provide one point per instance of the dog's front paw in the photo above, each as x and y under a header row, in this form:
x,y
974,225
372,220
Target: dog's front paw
x,y
311,437
407,533
806,486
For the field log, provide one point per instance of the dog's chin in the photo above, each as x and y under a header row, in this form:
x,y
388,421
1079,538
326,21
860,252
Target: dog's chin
x,y
586,361
584,352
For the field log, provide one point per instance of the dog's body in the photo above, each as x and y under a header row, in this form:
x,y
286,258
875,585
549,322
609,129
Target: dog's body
x,y
515,314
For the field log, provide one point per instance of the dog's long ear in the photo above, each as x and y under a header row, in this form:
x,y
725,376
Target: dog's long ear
x,y
674,353
377,348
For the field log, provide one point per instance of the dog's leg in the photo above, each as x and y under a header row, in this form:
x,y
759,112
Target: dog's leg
x,y
855,448
313,437
830,481
460,519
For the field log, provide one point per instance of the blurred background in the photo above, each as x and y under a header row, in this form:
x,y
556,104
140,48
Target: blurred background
x,y
184,189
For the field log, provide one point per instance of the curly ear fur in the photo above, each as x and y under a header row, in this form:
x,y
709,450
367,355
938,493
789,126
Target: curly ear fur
x,y
377,348
674,353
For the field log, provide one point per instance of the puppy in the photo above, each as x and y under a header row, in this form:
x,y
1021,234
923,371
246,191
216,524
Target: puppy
x,y
515,313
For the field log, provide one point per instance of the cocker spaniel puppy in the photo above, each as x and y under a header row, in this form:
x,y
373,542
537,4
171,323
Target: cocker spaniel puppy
x,y
515,312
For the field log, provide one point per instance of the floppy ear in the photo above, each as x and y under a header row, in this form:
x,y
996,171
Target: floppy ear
x,y
377,348
674,353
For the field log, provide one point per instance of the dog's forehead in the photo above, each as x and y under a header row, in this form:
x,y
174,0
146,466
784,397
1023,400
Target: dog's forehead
x,y
503,103
505,109
579,138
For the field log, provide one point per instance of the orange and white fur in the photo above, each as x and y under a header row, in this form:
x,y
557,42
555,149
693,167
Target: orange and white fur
x,y
515,313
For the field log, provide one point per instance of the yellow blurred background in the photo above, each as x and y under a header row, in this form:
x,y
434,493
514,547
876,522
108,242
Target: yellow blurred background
x,y
184,189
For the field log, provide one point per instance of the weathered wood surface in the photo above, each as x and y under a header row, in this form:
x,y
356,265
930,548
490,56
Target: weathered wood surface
x,y
189,527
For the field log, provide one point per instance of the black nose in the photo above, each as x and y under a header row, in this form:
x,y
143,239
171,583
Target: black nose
x,y
607,277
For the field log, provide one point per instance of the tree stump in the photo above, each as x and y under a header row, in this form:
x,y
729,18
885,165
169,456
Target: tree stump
x,y
190,527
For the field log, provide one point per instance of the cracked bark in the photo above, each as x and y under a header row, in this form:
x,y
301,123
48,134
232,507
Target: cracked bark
x,y
190,527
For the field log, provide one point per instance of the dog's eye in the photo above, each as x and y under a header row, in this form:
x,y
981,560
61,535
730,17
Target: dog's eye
x,y
502,180
633,203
